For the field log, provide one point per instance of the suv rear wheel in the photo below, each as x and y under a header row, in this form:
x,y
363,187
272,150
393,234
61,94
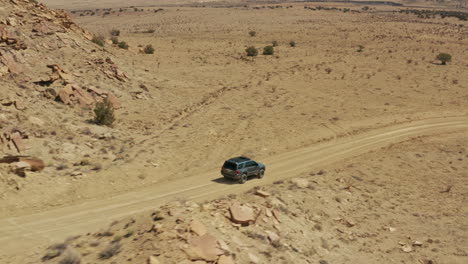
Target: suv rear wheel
x,y
243,178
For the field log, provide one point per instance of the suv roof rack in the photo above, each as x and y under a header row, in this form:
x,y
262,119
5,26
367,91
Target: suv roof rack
x,y
240,159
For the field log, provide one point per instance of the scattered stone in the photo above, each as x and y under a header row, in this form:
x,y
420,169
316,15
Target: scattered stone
x,y
225,260
153,260
36,121
253,258
272,236
406,248
197,227
417,243
300,182
203,248
242,214
262,193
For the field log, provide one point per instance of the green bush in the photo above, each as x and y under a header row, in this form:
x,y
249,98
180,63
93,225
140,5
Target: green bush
x,y
115,40
252,33
444,58
99,40
104,113
149,49
123,45
115,32
292,43
251,51
268,50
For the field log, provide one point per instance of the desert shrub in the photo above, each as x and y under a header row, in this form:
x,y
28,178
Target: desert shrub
x,y
268,50
112,250
251,51
104,113
274,43
115,32
365,8
71,257
123,45
148,49
292,43
360,48
149,31
252,33
328,70
444,58
54,251
99,40
115,40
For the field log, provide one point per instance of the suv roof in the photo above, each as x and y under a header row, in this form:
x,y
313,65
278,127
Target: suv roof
x,y
239,159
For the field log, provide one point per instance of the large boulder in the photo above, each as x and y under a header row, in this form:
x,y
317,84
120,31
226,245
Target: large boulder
x,y
242,214
203,248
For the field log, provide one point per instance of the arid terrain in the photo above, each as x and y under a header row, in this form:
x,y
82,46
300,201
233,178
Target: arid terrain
x,y
358,111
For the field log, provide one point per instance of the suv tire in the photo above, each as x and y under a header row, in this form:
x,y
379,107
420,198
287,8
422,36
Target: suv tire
x,y
243,178
261,173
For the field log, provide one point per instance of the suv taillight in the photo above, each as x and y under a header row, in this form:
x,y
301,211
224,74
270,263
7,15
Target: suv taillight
x,y
237,172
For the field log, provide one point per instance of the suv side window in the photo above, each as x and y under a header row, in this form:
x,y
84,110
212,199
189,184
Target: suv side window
x,y
251,164
240,166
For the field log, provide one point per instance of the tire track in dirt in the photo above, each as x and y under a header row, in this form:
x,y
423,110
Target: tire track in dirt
x,y
17,233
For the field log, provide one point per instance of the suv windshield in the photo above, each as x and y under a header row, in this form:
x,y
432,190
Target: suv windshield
x,y
230,165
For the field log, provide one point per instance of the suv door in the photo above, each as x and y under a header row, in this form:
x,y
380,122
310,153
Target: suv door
x,y
252,167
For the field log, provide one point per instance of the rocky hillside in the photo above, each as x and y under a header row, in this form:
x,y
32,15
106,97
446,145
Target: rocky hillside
x,y
52,75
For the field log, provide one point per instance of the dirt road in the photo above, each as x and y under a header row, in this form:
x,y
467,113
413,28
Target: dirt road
x,y
17,234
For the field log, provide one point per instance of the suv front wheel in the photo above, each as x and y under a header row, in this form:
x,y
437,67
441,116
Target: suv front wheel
x,y
261,173
243,178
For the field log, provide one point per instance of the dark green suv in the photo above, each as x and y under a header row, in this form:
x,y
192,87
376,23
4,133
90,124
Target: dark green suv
x,y
241,168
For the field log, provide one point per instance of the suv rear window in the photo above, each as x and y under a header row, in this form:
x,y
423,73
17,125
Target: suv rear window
x,y
230,165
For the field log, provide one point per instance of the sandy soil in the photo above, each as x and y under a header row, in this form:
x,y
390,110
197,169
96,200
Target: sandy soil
x,y
366,208
199,100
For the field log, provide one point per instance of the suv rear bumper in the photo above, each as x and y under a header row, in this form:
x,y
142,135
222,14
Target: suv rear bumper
x,y
235,177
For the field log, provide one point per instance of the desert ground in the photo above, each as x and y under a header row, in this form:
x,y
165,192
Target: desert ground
x,y
359,113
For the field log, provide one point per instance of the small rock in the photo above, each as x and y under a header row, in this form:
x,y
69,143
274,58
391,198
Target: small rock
x,y
197,227
300,182
272,236
253,258
406,248
36,121
417,243
153,260
262,193
225,260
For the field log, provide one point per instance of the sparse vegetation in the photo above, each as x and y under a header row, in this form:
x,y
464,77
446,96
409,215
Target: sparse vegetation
x,y
433,13
71,257
268,50
110,251
148,49
115,32
292,43
444,58
104,113
360,48
115,40
274,43
251,51
252,33
123,45
98,40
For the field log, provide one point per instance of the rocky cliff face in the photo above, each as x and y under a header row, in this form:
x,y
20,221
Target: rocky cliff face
x,y
51,76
